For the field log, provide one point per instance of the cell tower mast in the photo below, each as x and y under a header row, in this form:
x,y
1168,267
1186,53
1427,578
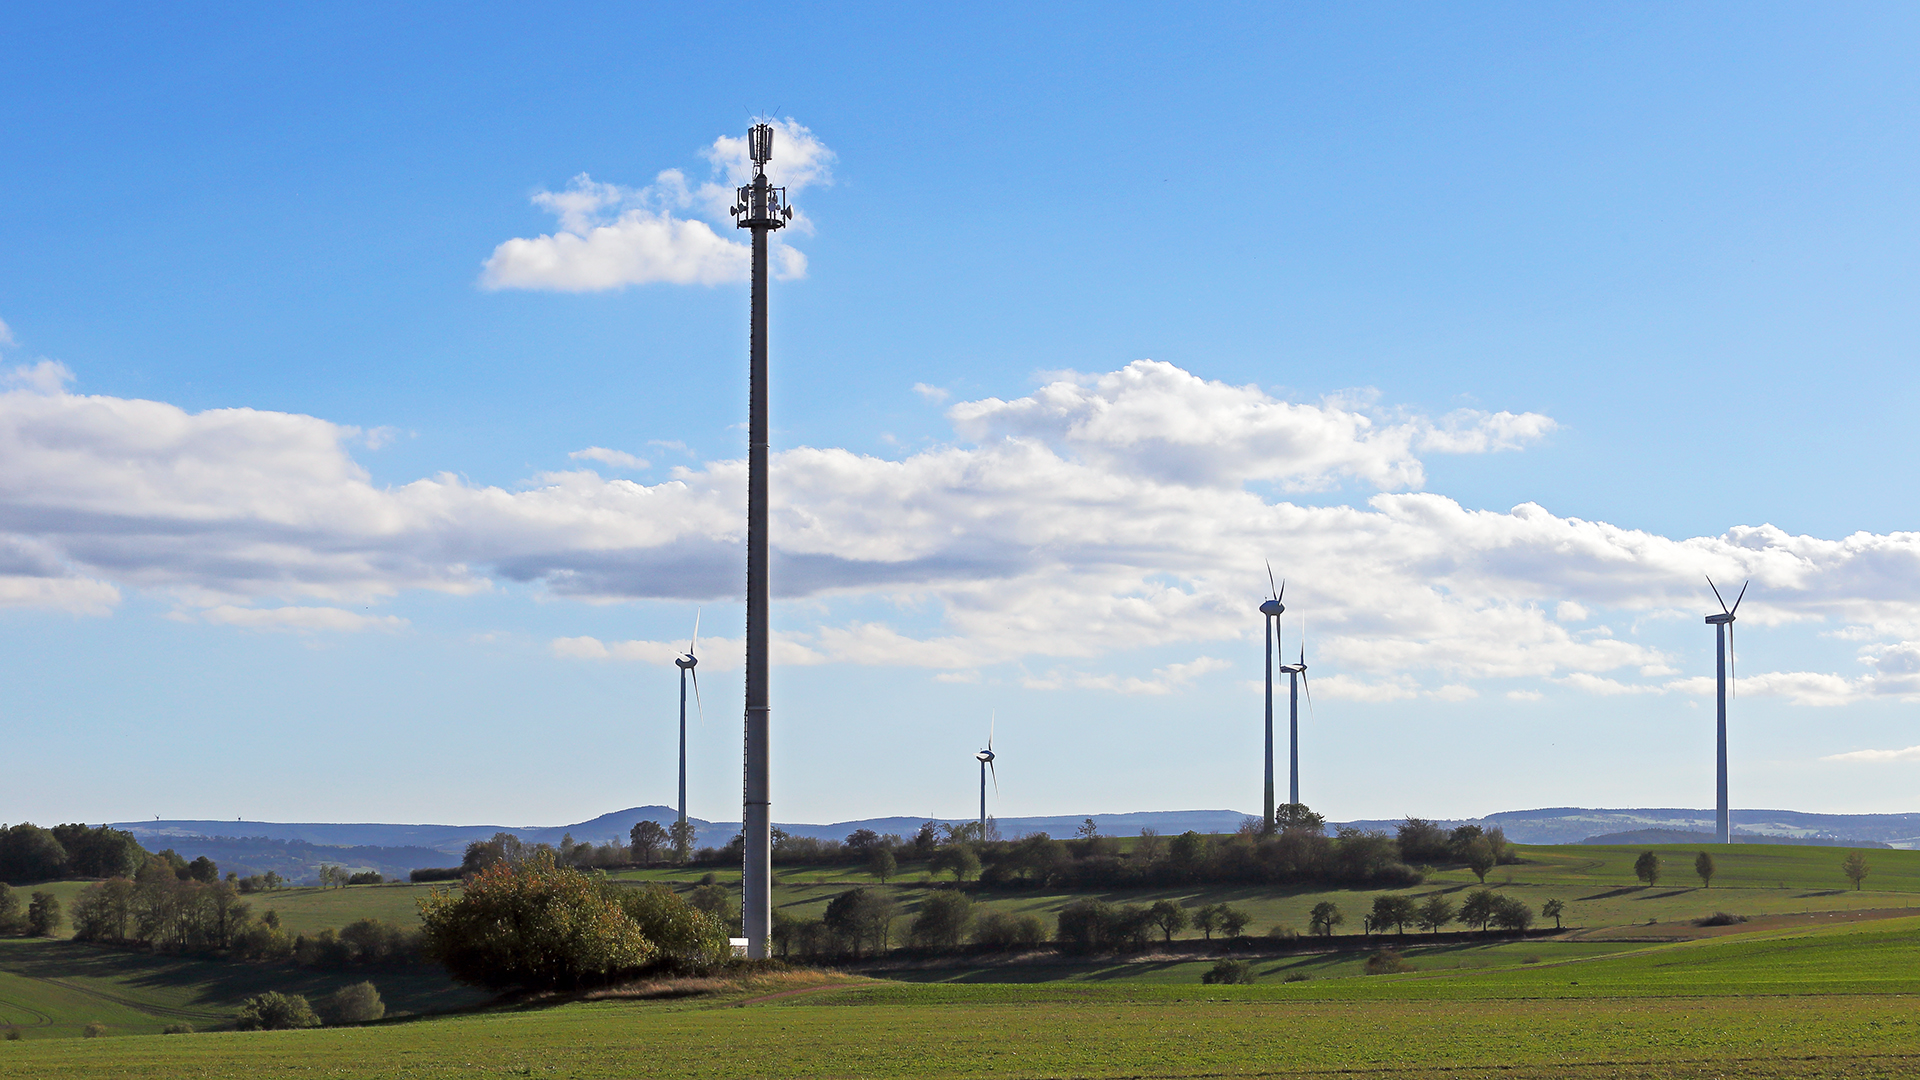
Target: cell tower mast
x,y
761,207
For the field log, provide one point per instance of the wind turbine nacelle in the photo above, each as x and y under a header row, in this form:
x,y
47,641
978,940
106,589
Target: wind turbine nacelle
x,y
686,660
985,755
1717,620
1292,669
1272,607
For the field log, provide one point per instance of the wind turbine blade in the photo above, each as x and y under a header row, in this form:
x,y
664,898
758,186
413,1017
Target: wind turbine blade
x,y
1272,589
701,709
995,773
993,720
696,633
1282,596
1716,593
1308,687
1742,596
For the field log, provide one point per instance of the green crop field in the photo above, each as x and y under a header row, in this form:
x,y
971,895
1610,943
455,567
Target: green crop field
x,y
1836,1001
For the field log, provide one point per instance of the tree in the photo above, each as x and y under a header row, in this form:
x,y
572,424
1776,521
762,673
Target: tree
x,y
1298,816
30,853
1392,909
356,1004
1324,917
1149,846
203,870
861,918
1233,920
647,839
43,914
1435,911
1553,909
1206,919
1855,867
1228,972
1086,926
538,925
1647,868
881,864
680,835
10,918
942,920
1703,865
1169,916
1479,856
714,899
1510,914
1477,910
957,859
274,1011
1087,830
1187,851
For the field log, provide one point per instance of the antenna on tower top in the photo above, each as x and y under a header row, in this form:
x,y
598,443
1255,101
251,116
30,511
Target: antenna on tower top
x,y
760,144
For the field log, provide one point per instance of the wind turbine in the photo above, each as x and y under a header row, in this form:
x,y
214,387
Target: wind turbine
x,y
985,758
1270,611
1723,663
686,662
1297,678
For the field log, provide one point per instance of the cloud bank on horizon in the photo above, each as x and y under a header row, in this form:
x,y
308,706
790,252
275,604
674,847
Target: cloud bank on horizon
x,y
1100,513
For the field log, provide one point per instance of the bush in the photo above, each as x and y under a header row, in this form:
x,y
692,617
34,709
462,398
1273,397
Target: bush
x,y
542,926
1231,972
1005,930
94,1030
942,919
435,873
43,914
1387,962
355,1004
366,877
274,1011
1296,976
13,1033
1283,932
1720,918
177,1029
10,920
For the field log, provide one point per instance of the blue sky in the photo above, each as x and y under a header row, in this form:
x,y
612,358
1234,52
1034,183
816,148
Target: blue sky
x,y
1180,291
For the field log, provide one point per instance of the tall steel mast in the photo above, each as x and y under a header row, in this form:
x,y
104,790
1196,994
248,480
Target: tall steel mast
x,y
761,207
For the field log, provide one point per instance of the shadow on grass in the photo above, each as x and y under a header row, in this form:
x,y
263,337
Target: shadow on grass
x,y
1664,895
1611,893
1823,892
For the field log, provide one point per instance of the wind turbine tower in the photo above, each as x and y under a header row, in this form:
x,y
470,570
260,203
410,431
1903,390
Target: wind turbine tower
x,y
1723,662
1270,611
986,765
686,662
1297,681
761,207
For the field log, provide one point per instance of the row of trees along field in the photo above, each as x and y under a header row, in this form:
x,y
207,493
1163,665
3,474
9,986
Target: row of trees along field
x,y
1295,851
29,853
1649,868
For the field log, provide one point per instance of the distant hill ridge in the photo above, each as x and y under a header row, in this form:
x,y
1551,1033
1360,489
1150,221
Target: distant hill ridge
x,y
395,849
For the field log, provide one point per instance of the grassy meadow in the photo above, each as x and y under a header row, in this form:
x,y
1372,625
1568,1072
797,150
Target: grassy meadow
x,y
1823,980
1829,1001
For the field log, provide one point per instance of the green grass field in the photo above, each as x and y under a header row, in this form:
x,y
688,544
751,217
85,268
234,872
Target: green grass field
x,y
1837,1001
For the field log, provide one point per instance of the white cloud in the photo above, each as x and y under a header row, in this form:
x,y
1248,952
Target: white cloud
x,y
1525,695
45,377
1569,612
611,236
1084,521
932,393
1911,753
300,618
619,459
6,333
1152,419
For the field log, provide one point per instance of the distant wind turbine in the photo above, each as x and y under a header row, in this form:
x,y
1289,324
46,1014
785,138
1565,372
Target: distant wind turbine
x,y
1723,662
1270,611
686,662
1297,678
985,758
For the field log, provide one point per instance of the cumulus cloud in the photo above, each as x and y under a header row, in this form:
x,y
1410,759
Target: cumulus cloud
x,y
45,377
619,459
1154,419
609,236
6,333
1060,527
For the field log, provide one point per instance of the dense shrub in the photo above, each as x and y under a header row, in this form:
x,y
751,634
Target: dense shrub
x,y
688,940
942,920
365,877
356,1004
1229,972
1387,962
178,1027
274,1011
94,1030
539,925
435,873
1006,930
